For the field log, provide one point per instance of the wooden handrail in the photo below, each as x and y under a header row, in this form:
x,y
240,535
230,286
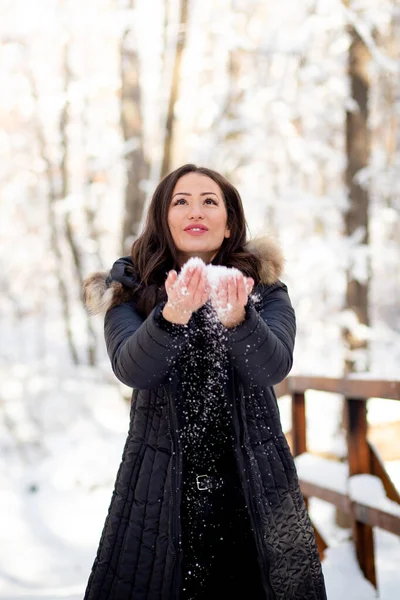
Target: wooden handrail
x,y
362,457
365,513
359,388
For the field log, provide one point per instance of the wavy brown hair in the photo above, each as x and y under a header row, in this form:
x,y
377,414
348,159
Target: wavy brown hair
x,y
154,252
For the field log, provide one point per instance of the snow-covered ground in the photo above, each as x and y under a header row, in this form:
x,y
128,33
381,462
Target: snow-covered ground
x,y
55,488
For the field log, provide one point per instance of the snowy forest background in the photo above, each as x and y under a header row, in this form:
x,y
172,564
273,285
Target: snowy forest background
x,y
298,104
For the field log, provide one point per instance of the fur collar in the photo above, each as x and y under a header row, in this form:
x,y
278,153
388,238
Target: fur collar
x,y
104,290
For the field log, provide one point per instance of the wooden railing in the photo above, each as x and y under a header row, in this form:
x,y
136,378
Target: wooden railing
x,y
361,455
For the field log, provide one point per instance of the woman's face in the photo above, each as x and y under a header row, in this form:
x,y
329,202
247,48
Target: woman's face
x,y
197,217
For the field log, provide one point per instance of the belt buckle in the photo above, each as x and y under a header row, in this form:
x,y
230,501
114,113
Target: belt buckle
x,y
203,485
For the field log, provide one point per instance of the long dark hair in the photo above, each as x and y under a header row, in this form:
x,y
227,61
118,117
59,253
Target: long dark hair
x,y
154,252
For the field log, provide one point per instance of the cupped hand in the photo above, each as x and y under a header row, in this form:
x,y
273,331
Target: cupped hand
x,y
186,292
231,298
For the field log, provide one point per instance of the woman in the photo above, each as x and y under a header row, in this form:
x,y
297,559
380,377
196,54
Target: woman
x,y
206,502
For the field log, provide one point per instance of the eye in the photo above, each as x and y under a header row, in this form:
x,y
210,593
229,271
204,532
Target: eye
x,y
210,200
179,201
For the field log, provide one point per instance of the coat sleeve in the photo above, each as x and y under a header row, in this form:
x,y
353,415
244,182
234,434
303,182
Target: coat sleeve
x,y
261,348
142,351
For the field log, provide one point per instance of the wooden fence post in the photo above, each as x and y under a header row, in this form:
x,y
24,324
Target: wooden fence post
x,y
359,463
378,469
299,439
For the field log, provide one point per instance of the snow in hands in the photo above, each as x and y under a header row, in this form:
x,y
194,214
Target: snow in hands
x,y
216,275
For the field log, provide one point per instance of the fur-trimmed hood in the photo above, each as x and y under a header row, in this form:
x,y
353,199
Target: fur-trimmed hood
x,y
102,290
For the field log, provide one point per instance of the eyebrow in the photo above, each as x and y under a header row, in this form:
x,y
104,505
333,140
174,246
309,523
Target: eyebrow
x,y
187,194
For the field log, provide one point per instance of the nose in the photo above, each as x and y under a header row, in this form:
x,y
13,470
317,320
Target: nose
x,y
196,211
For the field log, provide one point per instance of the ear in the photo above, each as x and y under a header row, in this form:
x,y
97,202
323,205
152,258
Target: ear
x,y
227,233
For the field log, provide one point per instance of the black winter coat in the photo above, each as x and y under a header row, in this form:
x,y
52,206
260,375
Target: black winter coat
x,y
137,558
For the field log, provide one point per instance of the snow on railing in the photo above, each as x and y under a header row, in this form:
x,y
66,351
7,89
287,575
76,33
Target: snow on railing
x,y
360,487
323,472
369,491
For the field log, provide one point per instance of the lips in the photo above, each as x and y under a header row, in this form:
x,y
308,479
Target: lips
x,y
195,228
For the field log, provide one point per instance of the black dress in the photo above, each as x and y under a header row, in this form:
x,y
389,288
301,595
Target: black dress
x,y
219,555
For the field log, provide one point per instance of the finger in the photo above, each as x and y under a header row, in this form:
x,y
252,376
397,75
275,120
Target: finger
x,y
241,290
222,294
186,276
195,280
199,292
205,296
193,274
249,285
188,282
171,280
232,290
207,287
172,274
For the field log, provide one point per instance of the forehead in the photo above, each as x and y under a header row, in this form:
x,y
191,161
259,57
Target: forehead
x,y
195,183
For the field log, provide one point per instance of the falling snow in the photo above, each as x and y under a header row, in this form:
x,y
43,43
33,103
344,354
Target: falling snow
x,y
205,433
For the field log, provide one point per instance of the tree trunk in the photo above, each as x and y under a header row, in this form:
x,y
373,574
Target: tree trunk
x,y
132,127
52,221
356,217
174,93
69,230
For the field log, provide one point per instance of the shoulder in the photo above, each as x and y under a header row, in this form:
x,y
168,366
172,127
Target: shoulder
x,y
271,259
103,290
263,294
273,304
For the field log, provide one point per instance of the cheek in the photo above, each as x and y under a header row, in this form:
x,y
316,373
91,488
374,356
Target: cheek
x,y
223,221
170,222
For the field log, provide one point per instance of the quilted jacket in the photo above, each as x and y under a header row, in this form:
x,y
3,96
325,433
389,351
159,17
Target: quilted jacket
x,y
138,554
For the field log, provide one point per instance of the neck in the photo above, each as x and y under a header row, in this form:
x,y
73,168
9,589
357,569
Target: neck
x,y
206,257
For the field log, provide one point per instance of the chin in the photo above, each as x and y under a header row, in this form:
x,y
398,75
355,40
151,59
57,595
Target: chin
x,y
193,245
197,248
